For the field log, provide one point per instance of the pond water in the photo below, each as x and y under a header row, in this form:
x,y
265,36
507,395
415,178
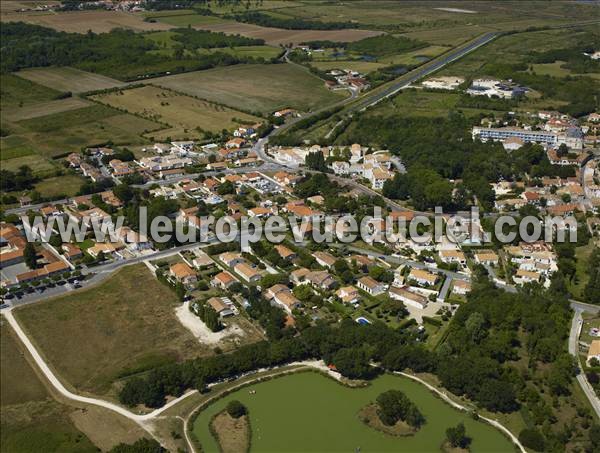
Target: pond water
x,y
307,412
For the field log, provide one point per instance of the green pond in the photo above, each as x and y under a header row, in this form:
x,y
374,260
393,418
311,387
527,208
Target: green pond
x,y
307,412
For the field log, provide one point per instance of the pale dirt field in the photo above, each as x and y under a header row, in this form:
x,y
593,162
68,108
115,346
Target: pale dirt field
x,y
69,79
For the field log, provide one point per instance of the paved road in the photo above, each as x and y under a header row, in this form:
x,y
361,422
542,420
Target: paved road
x,y
419,73
576,326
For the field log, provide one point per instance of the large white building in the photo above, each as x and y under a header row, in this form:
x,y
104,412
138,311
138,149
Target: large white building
x,y
503,133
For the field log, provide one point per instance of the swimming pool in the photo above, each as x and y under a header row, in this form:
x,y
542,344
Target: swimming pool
x,y
362,320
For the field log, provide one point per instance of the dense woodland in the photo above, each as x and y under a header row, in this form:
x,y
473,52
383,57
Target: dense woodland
x,y
122,54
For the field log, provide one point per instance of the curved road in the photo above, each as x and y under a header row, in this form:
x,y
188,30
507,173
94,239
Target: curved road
x,y
576,326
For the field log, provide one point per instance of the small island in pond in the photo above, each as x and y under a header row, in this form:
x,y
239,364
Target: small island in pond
x,y
393,414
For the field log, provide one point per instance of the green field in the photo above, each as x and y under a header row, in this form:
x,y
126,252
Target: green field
x,y
190,20
183,113
15,92
30,420
61,133
308,412
69,79
262,88
67,185
124,325
363,67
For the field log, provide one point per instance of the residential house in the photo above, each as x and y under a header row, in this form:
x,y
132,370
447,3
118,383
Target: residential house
x,y
487,257
248,273
320,279
324,259
593,352
218,305
223,280
348,295
183,274
285,252
461,287
408,297
422,277
453,256
371,286
231,259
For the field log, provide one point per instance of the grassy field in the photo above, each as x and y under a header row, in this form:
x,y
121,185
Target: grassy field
x,y
363,67
191,20
81,21
30,420
125,325
181,112
69,79
324,417
262,88
60,185
17,92
46,108
510,49
60,133
414,57
577,285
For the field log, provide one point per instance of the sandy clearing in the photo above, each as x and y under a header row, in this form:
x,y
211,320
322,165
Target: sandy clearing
x,y
195,325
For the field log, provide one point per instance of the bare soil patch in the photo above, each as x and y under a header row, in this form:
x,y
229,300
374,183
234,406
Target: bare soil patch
x,y
232,434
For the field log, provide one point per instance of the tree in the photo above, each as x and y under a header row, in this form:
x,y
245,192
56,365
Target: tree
x,y
532,438
30,255
316,161
142,445
562,150
353,363
236,409
394,406
457,436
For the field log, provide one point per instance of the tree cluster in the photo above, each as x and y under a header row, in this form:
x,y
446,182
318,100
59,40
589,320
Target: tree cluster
x,y
394,406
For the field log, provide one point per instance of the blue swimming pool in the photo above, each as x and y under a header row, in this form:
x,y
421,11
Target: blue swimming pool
x,y
362,320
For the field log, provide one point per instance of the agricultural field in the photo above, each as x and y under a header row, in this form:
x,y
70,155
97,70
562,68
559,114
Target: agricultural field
x,y
257,88
414,57
413,15
123,326
164,40
364,67
58,134
512,49
272,36
69,79
98,21
324,417
179,111
30,419
17,92
56,186
47,108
